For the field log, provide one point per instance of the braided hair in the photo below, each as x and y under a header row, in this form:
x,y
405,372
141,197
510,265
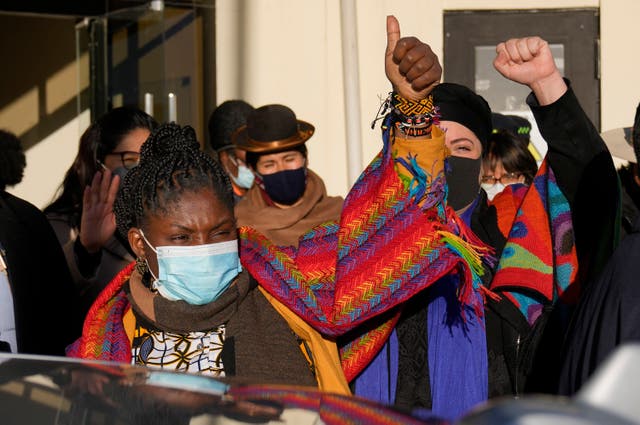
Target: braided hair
x,y
171,162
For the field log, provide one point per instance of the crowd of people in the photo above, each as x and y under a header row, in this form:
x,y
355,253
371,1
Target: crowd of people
x,y
456,269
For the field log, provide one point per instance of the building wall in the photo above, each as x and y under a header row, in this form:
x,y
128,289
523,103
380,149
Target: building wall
x,y
41,77
289,51
275,51
619,62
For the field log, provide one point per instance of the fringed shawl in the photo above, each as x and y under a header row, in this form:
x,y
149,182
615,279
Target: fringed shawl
x,y
103,333
389,246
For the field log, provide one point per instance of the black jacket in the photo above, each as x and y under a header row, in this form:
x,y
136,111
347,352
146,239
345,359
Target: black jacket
x,y
527,359
630,192
607,315
45,304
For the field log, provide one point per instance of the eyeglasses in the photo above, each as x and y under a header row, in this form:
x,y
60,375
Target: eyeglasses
x,y
506,178
129,159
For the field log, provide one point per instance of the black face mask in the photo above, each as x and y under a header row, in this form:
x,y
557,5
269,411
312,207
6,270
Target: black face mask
x,y
463,179
285,187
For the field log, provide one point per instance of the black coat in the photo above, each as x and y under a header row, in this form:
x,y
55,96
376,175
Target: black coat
x,y
45,304
607,316
630,199
527,359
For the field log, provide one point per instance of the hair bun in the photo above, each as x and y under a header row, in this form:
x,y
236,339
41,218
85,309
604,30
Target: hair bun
x,y
168,139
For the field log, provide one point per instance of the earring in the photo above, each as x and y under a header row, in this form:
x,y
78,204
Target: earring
x,y
141,266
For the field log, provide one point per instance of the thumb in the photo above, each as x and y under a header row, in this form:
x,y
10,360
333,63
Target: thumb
x,y
393,33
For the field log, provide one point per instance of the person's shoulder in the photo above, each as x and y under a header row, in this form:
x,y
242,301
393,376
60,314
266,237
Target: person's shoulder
x,y
16,202
21,208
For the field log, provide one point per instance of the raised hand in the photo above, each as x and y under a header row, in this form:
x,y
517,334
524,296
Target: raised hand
x,y
98,220
529,61
411,66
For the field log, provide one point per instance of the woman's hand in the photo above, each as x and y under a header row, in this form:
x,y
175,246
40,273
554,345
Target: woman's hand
x,y
98,220
411,66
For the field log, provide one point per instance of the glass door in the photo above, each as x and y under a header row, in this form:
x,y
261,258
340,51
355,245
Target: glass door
x,y
156,56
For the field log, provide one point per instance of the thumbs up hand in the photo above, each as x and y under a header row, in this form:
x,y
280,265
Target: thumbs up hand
x,y
411,66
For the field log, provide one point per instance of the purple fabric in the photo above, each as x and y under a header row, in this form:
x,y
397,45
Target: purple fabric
x,y
466,214
457,354
457,359
378,380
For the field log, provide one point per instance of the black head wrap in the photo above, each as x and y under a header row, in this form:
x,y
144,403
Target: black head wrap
x,y
459,104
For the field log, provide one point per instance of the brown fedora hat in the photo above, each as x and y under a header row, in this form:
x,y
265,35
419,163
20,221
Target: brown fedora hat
x,y
272,128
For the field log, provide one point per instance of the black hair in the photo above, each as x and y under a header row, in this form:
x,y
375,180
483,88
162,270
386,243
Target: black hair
x,y
12,160
253,157
513,153
100,139
171,162
225,119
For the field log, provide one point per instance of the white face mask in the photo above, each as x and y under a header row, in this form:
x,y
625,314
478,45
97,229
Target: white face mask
x,y
492,189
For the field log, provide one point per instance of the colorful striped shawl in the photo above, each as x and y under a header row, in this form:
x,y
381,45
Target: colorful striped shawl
x,y
539,263
332,408
385,250
103,333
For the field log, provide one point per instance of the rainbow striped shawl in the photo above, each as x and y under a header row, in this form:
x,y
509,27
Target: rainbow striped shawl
x,y
103,334
353,276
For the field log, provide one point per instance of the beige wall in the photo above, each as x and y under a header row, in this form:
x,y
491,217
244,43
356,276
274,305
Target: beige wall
x,y
38,102
49,160
620,62
289,51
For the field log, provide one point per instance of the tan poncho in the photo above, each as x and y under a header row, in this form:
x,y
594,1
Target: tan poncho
x,y
285,225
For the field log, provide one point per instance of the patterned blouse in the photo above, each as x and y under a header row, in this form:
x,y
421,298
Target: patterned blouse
x,y
196,352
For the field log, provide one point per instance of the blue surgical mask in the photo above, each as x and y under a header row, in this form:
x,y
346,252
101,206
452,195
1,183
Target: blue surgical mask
x,y
245,177
285,187
196,274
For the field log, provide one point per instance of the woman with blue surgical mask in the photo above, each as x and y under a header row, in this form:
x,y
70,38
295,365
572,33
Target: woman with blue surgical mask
x,y
187,304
